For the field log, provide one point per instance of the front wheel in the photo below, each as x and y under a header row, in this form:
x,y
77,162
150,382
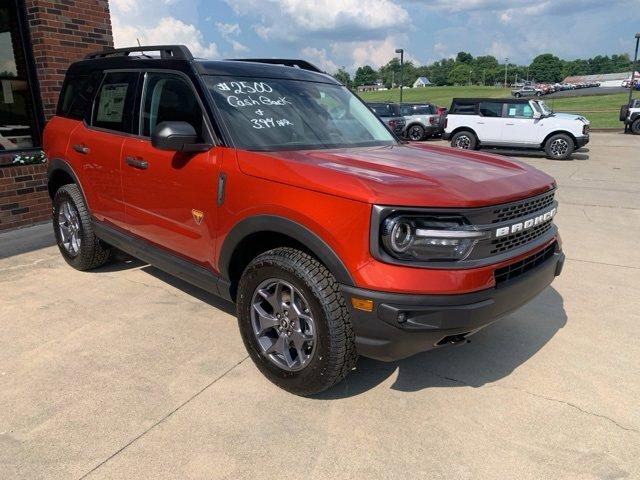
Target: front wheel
x,y
464,140
294,321
559,147
635,126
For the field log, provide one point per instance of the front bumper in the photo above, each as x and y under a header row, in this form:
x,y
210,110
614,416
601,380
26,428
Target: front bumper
x,y
402,325
582,141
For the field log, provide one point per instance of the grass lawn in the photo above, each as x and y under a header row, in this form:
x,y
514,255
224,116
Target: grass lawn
x,y
601,110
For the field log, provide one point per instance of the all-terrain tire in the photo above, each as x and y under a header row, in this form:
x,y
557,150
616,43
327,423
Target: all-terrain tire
x,y
464,140
624,112
335,351
635,126
559,147
416,133
92,251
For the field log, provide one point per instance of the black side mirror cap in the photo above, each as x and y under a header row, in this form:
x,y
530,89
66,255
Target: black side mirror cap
x,y
177,137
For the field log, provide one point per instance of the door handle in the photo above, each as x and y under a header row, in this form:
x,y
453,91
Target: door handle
x,y
480,123
509,123
138,163
78,147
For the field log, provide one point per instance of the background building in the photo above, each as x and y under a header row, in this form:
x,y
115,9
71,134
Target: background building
x,y
604,79
38,40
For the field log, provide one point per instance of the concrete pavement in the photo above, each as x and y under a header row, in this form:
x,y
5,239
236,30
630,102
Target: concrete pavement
x,y
127,373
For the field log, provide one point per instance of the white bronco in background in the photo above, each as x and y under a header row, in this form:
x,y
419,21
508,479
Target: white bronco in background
x,y
514,123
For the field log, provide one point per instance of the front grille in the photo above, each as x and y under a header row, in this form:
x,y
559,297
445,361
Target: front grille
x,y
516,269
520,209
515,240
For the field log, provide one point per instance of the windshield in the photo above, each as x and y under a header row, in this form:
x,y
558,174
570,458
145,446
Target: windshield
x,y
543,107
274,114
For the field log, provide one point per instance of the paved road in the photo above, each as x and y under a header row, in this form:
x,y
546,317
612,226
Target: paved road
x,y
127,373
585,92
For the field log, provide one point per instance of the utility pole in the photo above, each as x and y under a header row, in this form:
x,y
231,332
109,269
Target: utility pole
x,y
633,69
470,72
401,52
506,66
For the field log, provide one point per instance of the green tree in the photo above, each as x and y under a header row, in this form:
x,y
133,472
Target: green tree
x,y
464,57
343,77
546,68
460,74
365,75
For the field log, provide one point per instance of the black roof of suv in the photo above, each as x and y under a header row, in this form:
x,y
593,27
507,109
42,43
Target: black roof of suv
x,y
178,57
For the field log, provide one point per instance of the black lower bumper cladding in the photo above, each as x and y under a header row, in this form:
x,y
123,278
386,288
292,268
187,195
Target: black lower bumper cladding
x,y
402,325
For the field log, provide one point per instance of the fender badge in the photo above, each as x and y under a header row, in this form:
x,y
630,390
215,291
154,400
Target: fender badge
x,y
198,216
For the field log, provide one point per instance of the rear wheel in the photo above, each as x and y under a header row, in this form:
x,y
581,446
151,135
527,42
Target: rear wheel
x,y
559,147
294,321
416,133
464,140
517,95
74,232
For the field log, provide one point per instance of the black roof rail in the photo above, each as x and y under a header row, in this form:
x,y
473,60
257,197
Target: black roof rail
x,y
303,64
175,52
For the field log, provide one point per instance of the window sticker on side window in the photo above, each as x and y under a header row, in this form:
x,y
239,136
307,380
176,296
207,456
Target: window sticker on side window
x,y
111,105
512,112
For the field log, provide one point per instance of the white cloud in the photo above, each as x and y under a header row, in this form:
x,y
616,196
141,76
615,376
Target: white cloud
x,y
290,19
228,31
167,30
319,57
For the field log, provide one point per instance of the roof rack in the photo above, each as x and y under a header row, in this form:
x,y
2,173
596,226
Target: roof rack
x,y
175,52
302,64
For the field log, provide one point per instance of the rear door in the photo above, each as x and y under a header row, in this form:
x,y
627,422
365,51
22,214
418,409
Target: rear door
x,y
95,148
489,123
170,197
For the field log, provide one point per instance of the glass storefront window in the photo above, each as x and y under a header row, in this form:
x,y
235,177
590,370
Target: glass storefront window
x,y
18,129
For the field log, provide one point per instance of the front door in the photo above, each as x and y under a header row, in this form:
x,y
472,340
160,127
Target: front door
x,y
521,129
170,197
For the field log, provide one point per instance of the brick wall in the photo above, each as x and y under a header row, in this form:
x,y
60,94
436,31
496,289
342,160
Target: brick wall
x,y
23,196
63,31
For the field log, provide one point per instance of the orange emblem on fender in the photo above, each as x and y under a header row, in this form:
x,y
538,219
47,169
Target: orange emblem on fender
x,y
198,216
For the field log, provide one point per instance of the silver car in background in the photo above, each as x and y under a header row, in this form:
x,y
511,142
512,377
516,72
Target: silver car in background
x,y
422,120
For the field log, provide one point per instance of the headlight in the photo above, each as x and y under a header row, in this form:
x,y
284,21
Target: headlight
x,y
428,238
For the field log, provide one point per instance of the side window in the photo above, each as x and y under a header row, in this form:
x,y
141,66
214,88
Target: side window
x,y
166,98
113,107
519,110
77,94
464,109
491,109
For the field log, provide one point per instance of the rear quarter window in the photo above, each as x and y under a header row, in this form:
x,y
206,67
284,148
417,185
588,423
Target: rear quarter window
x,y
113,107
463,109
77,94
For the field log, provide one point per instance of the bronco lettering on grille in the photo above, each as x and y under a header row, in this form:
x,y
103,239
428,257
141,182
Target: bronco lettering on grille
x,y
527,224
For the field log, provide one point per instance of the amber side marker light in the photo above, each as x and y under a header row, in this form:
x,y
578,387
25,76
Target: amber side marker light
x,y
362,304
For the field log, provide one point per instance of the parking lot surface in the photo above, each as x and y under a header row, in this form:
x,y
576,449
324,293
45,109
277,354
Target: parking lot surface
x,y
126,372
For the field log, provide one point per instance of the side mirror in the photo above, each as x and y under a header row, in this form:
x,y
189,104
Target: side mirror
x,y
536,115
177,137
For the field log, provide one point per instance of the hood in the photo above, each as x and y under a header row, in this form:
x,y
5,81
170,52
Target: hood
x,y
570,116
404,175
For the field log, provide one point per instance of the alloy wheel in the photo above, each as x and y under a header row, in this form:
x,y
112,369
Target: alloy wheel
x,y
69,228
416,133
559,147
463,141
283,324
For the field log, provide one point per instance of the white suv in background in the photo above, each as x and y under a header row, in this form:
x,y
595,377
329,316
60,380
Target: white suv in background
x,y
513,123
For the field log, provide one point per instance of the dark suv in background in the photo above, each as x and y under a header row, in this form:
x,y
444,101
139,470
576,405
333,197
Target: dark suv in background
x,y
390,114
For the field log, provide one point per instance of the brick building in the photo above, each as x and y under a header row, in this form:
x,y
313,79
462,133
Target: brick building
x,y
38,40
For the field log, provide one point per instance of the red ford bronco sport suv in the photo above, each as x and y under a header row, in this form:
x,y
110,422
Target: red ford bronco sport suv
x,y
268,183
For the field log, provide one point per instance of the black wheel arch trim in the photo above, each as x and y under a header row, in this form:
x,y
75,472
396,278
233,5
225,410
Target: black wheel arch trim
x,y
58,164
281,225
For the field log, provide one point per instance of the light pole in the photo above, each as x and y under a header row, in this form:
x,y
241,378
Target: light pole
x,y
506,65
470,72
633,69
401,52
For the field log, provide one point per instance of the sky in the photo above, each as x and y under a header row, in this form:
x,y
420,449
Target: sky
x,y
351,33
